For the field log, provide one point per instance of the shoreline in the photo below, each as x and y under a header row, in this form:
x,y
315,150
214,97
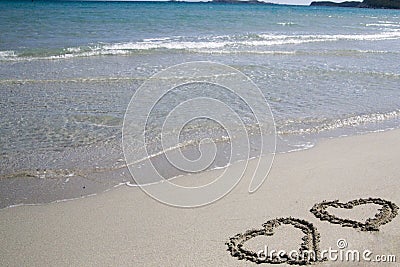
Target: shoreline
x,y
103,229
120,176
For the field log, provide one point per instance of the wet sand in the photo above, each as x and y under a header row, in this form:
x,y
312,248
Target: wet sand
x,y
125,227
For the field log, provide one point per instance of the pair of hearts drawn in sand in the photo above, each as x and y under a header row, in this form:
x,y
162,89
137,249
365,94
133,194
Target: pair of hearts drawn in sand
x,y
311,236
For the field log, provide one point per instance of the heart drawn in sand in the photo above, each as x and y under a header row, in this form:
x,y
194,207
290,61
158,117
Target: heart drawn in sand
x,y
310,243
386,213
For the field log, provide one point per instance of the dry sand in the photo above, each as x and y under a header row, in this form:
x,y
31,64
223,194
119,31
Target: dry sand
x,y
125,227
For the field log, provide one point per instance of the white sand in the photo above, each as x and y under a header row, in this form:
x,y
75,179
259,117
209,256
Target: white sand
x,y
125,227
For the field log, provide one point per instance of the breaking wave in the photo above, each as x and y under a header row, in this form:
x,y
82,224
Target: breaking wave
x,y
212,44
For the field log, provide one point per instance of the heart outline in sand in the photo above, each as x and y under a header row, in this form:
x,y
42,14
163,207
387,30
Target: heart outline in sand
x,y
386,214
310,242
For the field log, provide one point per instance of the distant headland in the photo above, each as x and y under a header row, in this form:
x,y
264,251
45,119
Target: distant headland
x,y
378,4
243,2
388,4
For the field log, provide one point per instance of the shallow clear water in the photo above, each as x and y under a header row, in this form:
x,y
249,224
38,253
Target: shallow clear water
x,y
69,69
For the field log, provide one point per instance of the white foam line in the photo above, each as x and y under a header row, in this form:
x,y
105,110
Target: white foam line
x,y
216,42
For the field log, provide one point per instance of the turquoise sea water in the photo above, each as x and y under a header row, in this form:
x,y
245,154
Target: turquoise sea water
x,y
69,69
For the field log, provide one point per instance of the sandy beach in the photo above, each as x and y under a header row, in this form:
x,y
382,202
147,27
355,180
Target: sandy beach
x,y
125,227
200,94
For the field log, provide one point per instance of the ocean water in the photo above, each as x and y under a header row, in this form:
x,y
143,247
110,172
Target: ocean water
x,y
69,69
